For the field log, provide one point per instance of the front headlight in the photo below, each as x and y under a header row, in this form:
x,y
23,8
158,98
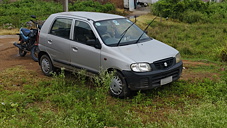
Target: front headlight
x,y
140,67
178,58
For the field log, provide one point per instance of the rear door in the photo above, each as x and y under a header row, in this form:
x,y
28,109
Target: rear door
x,y
83,55
58,41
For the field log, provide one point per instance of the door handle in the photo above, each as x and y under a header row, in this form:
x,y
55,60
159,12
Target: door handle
x,y
49,41
75,49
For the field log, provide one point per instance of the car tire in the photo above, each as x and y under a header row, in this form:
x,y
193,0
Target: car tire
x,y
118,86
46,65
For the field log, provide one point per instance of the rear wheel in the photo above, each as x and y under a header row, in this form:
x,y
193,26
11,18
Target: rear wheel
x,y
46,65
34,53
118,86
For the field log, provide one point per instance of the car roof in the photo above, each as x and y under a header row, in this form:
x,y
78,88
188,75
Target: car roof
x,y
95,16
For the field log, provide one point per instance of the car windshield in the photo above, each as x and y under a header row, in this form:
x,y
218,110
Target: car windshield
x,y
116,32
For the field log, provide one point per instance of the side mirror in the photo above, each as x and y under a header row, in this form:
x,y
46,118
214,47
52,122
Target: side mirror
x,y
94,42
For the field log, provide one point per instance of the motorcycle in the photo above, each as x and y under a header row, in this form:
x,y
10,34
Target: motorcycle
x,y
28,40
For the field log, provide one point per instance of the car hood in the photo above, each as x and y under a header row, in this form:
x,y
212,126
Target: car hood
x,y
149,51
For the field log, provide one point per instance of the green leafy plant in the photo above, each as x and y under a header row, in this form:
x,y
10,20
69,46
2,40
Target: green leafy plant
x,y
19,12
191,11
223,53
93,6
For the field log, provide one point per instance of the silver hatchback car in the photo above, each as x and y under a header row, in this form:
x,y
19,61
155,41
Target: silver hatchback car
x,y
99,41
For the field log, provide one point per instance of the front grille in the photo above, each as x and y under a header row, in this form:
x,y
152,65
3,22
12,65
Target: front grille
x,y
164,64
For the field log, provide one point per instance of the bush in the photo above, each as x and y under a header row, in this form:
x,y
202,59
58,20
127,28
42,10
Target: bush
x,y
162,8
191,11
91,6
191,16
218,12
20,11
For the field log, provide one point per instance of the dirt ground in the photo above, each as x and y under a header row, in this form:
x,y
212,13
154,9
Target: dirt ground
x,y
9,57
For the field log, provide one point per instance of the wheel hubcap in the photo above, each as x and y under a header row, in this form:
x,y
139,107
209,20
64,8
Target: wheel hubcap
x,y
116,85
45,65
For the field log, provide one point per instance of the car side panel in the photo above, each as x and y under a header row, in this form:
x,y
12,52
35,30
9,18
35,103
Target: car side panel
x,y
85,57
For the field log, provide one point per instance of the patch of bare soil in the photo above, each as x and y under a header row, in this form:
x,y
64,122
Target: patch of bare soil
x,y
9,57
189,72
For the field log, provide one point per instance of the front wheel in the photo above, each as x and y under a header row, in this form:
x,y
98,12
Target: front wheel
x,y
118,86
46,65
22,53
34,53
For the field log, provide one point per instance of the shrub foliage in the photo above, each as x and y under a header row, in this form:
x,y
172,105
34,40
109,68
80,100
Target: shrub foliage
x,y
191,11
20,11
93,6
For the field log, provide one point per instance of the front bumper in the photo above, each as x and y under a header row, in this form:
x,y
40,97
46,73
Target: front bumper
x,y
149,80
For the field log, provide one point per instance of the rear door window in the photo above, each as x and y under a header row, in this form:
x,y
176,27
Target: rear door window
x,y
61,28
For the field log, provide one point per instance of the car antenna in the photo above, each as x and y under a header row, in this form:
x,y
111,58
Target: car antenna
x,y
145,29
123,33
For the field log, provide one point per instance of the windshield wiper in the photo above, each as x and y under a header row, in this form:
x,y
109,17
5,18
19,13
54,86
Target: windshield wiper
x,y
145,30
123,33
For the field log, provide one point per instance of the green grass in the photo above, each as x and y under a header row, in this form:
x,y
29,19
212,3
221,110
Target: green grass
x,y
201,41
67,100
76,101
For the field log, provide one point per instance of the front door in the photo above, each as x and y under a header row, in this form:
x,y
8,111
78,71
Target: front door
x,y
82,55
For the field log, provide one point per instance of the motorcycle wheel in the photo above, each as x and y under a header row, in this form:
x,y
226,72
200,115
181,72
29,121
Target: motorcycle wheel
x,y
34,53
22,53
